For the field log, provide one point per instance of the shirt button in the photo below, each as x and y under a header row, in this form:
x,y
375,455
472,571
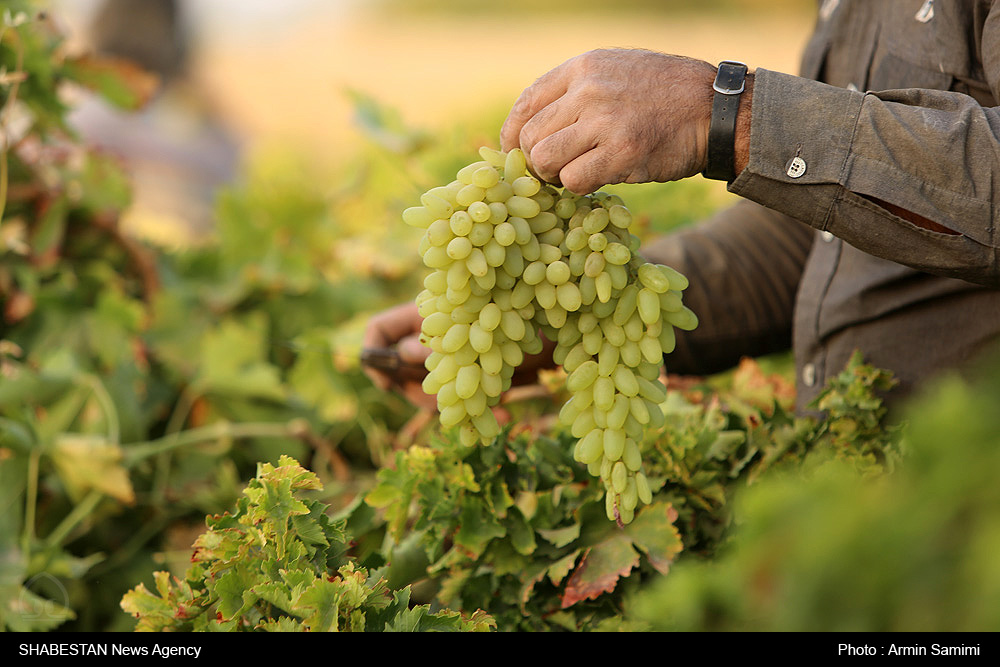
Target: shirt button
x,y
926,11
809,375
795,167
826,236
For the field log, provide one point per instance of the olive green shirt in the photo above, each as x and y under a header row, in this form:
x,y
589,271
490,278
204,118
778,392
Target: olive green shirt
x,y
897,100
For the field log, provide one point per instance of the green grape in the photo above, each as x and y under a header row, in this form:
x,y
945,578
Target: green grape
x,y
485,177
509,257
590,447
523,207
652,278
596,221
526,186
500,192
505,234
498,213
642,488
479,211
418,216
557,272
568,297
614,443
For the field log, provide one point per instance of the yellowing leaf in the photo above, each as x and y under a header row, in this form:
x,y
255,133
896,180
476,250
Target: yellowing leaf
x,y
86,462
600,568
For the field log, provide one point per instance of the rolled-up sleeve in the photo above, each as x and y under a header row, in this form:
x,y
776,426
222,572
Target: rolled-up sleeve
x,y
820,154
744,265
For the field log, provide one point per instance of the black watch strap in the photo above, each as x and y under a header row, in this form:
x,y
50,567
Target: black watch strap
x,y
728,86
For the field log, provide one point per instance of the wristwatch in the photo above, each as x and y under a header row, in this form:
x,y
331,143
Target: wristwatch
x,y
728,86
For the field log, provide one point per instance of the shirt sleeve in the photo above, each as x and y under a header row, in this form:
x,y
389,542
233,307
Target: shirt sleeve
x,y
820,154
744,265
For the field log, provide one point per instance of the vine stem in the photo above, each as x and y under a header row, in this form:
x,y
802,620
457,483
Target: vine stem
x,y
178,416
107,404
31,502
79,513
138,451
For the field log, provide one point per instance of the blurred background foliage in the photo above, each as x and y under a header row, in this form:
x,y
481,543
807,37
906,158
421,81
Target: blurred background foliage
x,y
188,255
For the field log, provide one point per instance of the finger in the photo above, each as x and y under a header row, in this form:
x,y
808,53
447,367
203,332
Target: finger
x,y
589,172
553,153
412,351
416,395
388,327
378,378
547,120
543,92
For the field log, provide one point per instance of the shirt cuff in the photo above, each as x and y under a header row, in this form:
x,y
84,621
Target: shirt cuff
x,y
800,139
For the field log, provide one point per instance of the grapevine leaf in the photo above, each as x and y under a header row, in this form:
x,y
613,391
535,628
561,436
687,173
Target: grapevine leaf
x,y
308,528
171,609
558,570
282,624
218,544
453,586
378,617
599,570
235,591
534,574
233,361
319,605
560,537
151,610
275,594
289,468
407,620
522,537
86,462
477,528
30,612
654,532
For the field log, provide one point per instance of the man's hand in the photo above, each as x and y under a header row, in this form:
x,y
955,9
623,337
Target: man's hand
x,y
616,116
399,327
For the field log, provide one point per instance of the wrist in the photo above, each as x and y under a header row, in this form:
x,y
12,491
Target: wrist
x,y
729,95
741,144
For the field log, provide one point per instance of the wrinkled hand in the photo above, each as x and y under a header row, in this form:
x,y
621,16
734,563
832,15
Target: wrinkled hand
x,y
399,327
615,116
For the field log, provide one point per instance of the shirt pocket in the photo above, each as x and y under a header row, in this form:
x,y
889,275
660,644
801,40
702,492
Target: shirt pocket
x,y
923,48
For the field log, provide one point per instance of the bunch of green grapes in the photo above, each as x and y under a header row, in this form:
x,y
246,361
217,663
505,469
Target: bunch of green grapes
x,y
511,257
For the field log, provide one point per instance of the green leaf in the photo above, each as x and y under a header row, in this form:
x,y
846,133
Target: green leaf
x,y
559,569
654,532
234,360
282,624
476,528
319,605
560,537
522,537
235,591
28,612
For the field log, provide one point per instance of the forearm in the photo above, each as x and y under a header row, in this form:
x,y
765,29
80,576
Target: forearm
x,y
744,265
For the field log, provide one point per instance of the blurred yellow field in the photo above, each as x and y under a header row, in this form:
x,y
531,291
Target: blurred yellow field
x,y
289,85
